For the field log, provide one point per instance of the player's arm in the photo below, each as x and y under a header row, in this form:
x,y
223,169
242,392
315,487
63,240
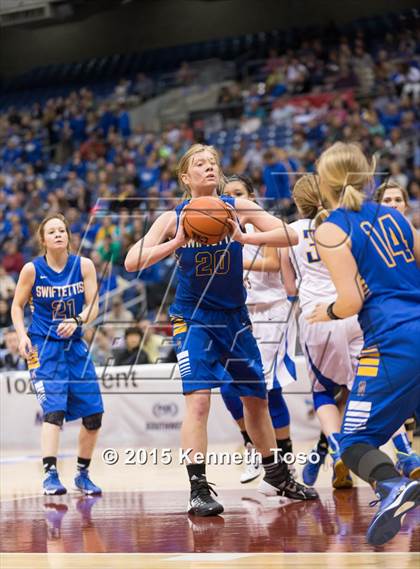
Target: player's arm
x,y
269,262
90,311
21,297
160,241
333,247
288,273
272,231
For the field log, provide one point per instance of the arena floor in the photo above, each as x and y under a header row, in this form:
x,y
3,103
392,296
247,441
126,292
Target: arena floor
x,y
140,521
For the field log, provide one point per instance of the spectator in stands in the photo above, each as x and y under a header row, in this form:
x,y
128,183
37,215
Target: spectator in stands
x,y
397,175
152,341
123,119
101,346
143,87
253,157
133,354
110,250
107,228
276,180
13,260
185,74
10,359
119,318
5,317
7,284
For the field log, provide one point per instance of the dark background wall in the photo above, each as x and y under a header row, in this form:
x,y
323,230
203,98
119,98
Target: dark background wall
x,y
155,23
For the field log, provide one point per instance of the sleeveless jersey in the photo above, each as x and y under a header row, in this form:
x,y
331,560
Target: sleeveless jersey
x,y
210,276
56,296
262,286
313,278
382,245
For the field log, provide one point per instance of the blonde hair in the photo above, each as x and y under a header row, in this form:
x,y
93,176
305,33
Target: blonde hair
x,y
390,184
345,171
41,230
184,164
307,197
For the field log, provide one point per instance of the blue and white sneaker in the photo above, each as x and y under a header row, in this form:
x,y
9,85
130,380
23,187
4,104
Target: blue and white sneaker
x,y
408,465
85,484
310,471
397,497
52,485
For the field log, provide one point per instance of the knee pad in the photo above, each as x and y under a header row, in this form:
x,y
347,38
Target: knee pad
x,y
321,398
55,418
279,412
92,422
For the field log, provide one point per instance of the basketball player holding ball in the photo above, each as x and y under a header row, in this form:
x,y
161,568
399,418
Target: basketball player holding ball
x,y
211,327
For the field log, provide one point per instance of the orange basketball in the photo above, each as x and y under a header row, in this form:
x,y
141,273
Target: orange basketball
x,y
205,220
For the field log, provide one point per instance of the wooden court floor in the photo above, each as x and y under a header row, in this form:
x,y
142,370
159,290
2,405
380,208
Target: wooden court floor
x,y
140,521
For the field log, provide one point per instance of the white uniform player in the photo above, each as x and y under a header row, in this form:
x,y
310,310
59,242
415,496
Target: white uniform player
x,y
331,348
273,323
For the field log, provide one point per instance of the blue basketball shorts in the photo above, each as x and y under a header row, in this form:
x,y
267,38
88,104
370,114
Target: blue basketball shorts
x,y
64,377
386,389
214,348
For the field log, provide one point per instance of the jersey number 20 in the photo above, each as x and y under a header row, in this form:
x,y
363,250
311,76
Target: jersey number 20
x,y
207,264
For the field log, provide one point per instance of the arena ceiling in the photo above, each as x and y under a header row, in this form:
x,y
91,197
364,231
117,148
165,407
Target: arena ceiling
x,y
44,12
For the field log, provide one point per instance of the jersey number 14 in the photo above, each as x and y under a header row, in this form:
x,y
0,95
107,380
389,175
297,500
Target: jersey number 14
x,y
388,240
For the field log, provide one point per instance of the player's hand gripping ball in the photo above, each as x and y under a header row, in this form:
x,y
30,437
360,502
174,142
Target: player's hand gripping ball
x,y
206,220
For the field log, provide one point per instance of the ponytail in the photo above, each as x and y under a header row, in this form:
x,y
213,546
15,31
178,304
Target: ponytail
x,y
321,215
351,198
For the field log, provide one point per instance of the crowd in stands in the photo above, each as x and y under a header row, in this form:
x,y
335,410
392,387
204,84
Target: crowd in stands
x,y
84,157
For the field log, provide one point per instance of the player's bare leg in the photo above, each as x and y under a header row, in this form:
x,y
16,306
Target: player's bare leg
x,y
194,425
194,436
88,436
330,418
278,481
87,442
50,437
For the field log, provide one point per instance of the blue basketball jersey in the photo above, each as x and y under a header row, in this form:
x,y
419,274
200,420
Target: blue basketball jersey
x,y
210,276
382,245
56,296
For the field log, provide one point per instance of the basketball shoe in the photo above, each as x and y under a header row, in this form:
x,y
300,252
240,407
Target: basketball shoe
x,y
397,496
201,501
408,465
341,477
85,484
284,485
51,484
252,462
310,471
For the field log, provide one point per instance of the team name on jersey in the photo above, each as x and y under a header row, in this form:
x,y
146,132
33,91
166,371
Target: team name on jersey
x,y
197,244
47,291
